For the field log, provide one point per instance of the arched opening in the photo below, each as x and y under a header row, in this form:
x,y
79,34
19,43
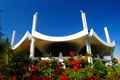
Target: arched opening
x,y
64,47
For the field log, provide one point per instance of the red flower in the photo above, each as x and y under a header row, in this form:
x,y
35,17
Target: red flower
x,y
44,62
52,75
73,62
59,64
71,53
75,69
95,77
32,69
1,76
63,77
45,78
78,65
40,77
13,77
36,67
34,77
4,65
89,69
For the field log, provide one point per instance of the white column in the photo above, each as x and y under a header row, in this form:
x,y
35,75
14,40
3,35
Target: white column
x,y
88,49
107,35
13,38
34,22
32,45
84,20
32,48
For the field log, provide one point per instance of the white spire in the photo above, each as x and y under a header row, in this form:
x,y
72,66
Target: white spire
x,y
107,35
13,38
34,22
84,20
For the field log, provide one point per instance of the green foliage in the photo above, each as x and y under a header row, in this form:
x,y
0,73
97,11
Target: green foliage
x,y
77,68
114,61
99,69
83,73
5,50
18,63
116,68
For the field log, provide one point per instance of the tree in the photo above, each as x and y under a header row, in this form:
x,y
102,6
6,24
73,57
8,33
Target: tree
x,y
5,50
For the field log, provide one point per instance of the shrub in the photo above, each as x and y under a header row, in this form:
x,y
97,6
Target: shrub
x,y
77,68
99,69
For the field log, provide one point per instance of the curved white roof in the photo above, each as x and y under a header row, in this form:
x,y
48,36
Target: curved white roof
x,y
93,34
60,38
43,41
27,37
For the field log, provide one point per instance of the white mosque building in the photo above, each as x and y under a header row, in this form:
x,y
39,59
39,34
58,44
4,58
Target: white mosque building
x,y
84,41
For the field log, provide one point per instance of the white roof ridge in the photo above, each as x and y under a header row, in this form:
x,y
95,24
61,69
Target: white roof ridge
x,y
60,38
92,33
27,35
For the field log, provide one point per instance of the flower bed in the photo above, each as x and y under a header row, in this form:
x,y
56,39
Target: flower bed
x,y
72,68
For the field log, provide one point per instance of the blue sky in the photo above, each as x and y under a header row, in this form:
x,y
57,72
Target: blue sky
x,y
61,17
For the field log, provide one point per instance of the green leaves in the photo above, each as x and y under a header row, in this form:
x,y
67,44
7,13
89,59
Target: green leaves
x,y
5,50
99,68
116,68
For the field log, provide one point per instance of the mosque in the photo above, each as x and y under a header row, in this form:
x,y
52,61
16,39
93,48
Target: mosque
x,y
84,41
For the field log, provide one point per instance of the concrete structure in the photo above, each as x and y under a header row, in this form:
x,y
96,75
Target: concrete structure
x,y
82,42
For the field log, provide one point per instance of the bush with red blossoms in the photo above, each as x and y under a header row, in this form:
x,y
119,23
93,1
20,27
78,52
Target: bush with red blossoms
x,y
77,68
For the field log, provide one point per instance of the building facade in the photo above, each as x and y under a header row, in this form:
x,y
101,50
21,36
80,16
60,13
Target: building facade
x,y
85,41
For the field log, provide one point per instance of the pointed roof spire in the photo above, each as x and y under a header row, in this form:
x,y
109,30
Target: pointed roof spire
x,y
34,22
107,35
13,38
84,20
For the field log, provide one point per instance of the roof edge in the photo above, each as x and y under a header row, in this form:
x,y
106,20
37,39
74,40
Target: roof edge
x,y
27,35
92,33
60,38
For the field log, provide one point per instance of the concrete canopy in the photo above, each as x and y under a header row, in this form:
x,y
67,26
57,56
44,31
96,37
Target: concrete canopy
x,y
83,41
99,46
42,42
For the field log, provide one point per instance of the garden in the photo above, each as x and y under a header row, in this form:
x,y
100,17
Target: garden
x,y
18,66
